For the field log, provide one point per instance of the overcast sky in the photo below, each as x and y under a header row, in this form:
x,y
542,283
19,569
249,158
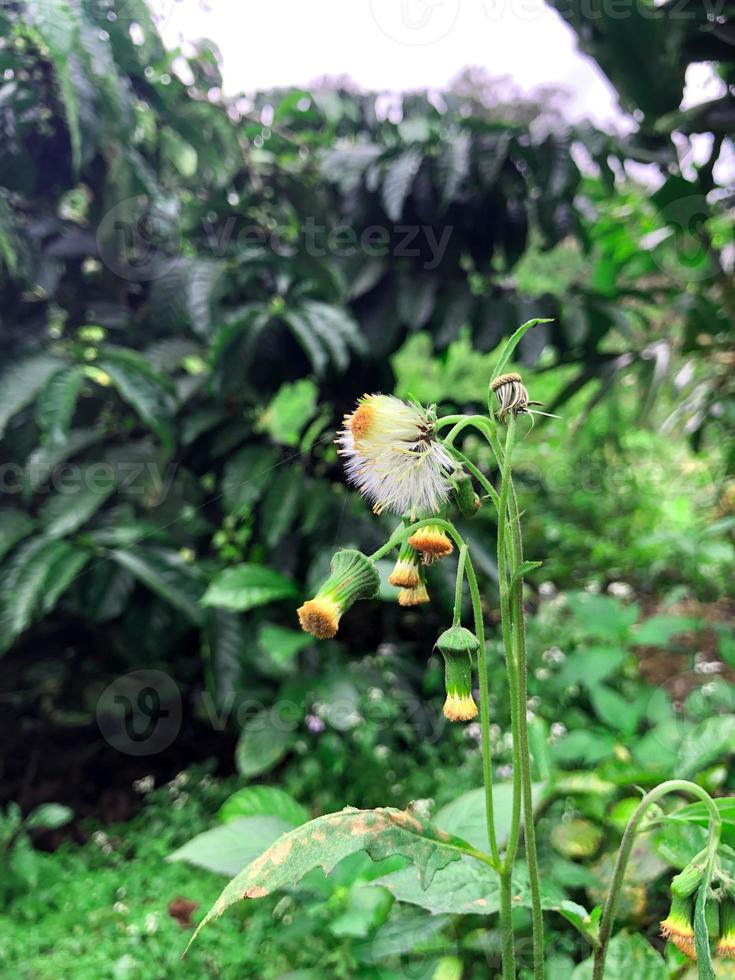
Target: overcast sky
x,y
392,44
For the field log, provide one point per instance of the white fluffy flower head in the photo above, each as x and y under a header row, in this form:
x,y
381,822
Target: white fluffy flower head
x,y
392,456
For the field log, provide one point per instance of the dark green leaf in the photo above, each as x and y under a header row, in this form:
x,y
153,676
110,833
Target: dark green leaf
x,y
269,801
247,586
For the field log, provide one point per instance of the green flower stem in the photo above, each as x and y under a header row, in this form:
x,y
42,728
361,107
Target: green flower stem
x,y
457,617
478,475
487,761
403,532
506,924
524,755
626,847
511,849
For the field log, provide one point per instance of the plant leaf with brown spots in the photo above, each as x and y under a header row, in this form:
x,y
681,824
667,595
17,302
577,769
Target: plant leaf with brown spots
x,y
327,840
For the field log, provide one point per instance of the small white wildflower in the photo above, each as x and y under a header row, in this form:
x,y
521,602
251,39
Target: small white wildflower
x,y
375,694
558,729
593,588
151,923
505,772
553,656
144,785
392,457
473,731
542,674
708,667
547,590
382,751
121,908
621,590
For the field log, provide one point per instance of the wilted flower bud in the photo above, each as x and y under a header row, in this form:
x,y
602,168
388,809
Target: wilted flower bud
x,y
726,942
677,926
352,576
405,574
415,595
432,541
512,395
457,645
467,501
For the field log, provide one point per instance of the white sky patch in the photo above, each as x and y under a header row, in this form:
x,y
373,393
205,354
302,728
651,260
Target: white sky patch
x,y
394,45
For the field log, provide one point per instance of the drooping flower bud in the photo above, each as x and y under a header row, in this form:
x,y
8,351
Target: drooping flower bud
x,y
457,645
687,881
677,926
726,942
405,574
417,594
467,501
432,541
512,395
352,576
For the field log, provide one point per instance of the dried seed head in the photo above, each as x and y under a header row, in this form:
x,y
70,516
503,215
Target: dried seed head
x,y
512,395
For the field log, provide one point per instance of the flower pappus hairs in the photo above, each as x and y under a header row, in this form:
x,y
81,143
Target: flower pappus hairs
x,y
352,576
457,645
393,458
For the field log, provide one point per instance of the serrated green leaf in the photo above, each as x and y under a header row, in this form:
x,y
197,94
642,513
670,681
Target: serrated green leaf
x,y
246,586
282,504
311,344
43,460
229,848
282,644
290,409
164,573
246,475
266,801
627,957
659,630
524,568
56,403
327,840
712,739
398,181
698,814
465,816
21,382
23,585
14,526
64,570
150,400
64,513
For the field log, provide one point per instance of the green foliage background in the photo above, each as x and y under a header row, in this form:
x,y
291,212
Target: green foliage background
x,y
192,294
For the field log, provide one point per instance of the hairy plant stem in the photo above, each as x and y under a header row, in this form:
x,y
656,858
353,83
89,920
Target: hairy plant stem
x,y
510,559
467,567
626,847
506,625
